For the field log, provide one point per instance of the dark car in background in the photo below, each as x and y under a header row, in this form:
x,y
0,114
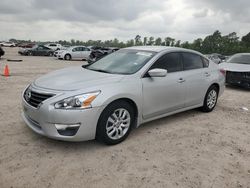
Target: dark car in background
x,y
238,70
26,45
37,50
100,52
1,52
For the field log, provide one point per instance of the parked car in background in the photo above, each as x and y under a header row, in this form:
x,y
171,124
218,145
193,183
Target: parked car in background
x,y
26,45
1,52
106,99
74,52
217,58
238,70
54,46
100,52
37,50
8,44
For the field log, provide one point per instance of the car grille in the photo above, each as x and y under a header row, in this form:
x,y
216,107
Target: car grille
x,y
35,98
237,76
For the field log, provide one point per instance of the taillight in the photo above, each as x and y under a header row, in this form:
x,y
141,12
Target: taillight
x,y
222,71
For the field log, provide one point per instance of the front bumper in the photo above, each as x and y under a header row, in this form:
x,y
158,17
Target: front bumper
x,y
43,121
238,78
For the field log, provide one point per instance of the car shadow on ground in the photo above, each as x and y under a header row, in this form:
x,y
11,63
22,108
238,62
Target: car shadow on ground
x,y
237,88
175,119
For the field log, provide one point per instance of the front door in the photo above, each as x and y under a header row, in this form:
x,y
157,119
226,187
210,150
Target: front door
x,y
77,53
162,95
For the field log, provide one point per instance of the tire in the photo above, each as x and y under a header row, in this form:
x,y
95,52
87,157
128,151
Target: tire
x,y
51,54
115,123
67,57
210,100
30,54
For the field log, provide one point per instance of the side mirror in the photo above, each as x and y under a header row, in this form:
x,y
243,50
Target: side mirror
x,y
158,73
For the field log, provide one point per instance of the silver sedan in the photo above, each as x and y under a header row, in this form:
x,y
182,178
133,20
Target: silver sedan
x,y
123,90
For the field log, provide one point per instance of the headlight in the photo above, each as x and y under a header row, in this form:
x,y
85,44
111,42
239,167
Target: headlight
x,y
77,102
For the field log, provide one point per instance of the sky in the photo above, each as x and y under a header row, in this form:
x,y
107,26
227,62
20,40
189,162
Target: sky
x,y
185,20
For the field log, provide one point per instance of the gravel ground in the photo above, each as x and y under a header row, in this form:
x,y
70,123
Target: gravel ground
x,y
190,149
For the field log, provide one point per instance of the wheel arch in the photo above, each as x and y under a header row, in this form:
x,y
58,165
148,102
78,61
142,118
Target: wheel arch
x,y
216,85
66,55
130,102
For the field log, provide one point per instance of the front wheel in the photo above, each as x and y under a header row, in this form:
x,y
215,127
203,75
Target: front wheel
x,y
115,123
67,57
210,100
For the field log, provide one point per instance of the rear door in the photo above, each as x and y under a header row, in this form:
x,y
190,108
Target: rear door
x,y
196,77
164,94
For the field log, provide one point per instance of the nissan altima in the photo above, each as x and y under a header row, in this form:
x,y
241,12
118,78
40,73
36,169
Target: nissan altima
x,y
107,99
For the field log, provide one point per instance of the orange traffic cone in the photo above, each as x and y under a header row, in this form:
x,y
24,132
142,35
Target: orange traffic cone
x,y
6,71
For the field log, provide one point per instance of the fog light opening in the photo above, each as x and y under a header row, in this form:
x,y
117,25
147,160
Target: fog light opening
x,y
67,130
62,127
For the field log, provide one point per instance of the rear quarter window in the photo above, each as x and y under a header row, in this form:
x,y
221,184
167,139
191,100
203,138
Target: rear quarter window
x,y
205,62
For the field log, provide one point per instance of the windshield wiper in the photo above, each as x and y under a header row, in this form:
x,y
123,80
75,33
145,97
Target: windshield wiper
x,y
100,70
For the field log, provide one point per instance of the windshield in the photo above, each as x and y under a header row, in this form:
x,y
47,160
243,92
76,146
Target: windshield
x,y
122,62
240,59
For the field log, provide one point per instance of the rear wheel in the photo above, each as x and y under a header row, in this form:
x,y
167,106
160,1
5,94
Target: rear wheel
x,y
67,57
115,123
210,100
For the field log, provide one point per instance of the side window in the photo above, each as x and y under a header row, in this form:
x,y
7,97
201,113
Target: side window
x,y
76,49
86,49
192,61
171,62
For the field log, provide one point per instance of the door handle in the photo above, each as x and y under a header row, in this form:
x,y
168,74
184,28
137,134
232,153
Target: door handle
x,y
207,74
181,80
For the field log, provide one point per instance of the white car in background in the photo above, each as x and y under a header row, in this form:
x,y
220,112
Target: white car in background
x,y
74,52
54,46
8,44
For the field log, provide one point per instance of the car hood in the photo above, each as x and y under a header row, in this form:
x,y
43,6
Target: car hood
x,y
234,67
75,78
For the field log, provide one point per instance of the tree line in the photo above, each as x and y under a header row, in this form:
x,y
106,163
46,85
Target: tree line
x,y
214,43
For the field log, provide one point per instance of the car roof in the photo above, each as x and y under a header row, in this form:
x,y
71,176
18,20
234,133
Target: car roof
x,y
161,49
77,46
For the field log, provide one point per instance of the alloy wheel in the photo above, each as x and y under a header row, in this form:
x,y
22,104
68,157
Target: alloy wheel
x,y
211,99
118,124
